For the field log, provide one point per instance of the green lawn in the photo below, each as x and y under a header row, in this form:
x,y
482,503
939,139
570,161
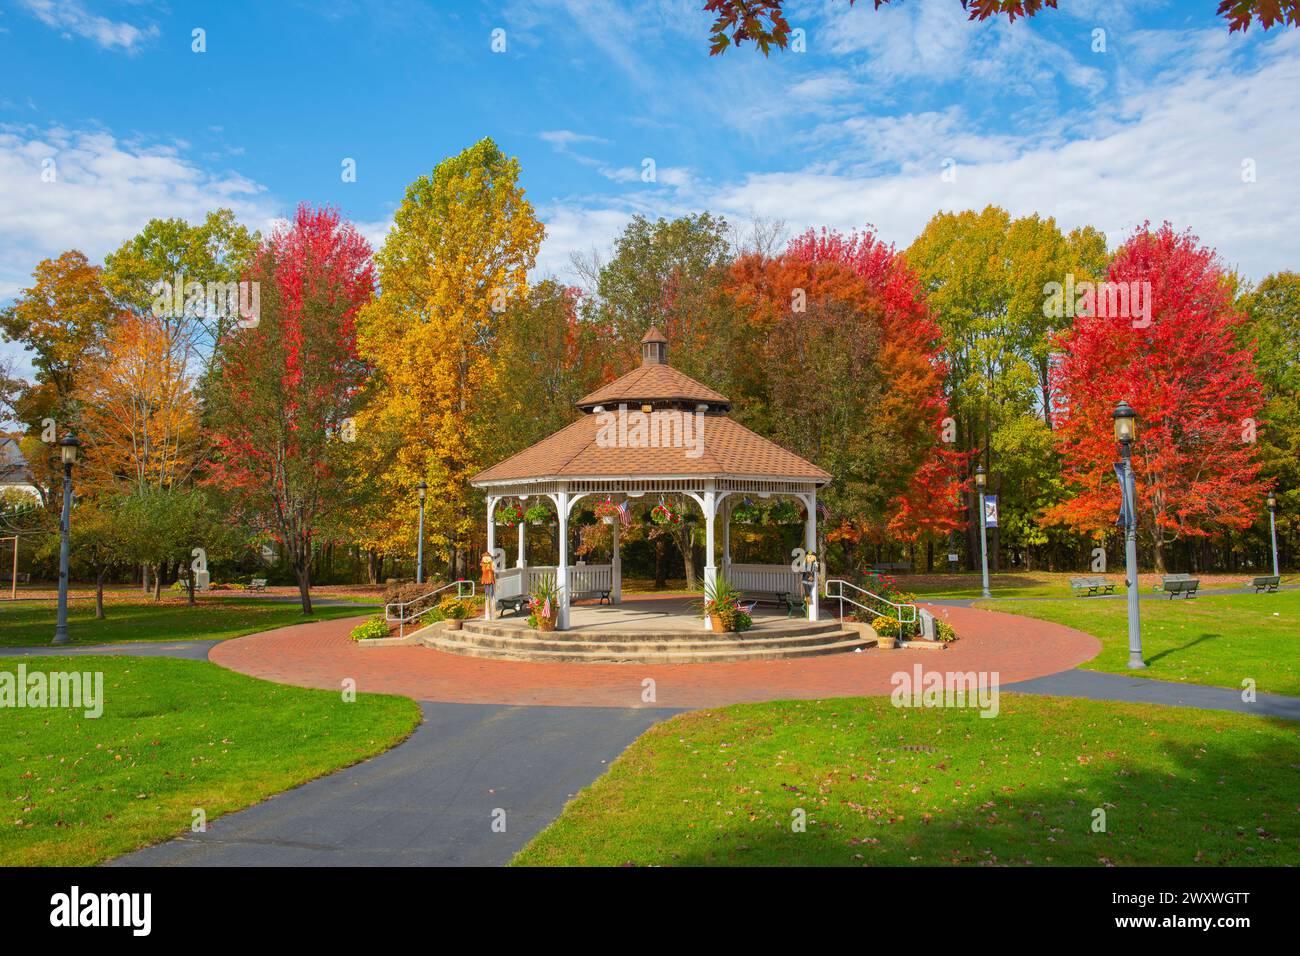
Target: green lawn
x,y
887,786
1217,639
174,736
25,623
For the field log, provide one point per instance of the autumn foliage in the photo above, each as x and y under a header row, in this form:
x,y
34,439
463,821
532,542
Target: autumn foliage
x,y
1193,387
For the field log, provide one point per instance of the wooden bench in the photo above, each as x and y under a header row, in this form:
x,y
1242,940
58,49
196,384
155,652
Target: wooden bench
x,y
602,593
897,567
1176,584
1089,586
257,584
1267,583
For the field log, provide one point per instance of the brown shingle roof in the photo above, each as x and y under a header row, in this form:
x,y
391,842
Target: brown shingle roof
x,y
653,383
728,449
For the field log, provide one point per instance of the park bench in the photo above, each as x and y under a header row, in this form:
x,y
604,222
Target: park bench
x,y
257,584
897,567
1089,586
1267,583
601,593
1176,584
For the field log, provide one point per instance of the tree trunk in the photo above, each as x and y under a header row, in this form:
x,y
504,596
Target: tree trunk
x,y
372,566
1160,556
660,583
189,588
303,570
688,560
157,582
99,594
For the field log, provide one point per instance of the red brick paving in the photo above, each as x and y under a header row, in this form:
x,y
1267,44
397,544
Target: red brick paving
x,y
321,655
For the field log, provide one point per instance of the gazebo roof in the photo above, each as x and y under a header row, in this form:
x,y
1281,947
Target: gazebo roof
x,y
728,449
680,438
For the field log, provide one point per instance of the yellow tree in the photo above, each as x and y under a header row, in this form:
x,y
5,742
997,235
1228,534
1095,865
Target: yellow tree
x,y
458,255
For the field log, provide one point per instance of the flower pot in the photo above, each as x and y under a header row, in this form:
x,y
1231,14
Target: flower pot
x,y
608,519
545,623
717,624
886,643
453,623
535,522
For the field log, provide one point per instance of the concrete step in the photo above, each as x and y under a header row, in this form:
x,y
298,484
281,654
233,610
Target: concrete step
x,y
636,634
643,652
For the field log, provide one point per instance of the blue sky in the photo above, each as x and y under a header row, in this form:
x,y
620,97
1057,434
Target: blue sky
x,y
855,130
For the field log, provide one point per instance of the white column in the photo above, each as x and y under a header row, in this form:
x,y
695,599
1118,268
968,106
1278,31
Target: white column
x,y
562,571
491,547
810,545
710,569
726,539
521,561
616,562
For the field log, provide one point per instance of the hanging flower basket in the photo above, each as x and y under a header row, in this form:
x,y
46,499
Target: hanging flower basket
x,y
665,514
607,511
509,515
537,514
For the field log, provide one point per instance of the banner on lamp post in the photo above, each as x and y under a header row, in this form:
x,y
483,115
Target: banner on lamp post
x,y
991,511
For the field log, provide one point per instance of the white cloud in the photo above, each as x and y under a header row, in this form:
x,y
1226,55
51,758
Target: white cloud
x,y
1172,149
73,19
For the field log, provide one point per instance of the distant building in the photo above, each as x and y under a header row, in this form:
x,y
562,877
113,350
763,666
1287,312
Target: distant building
x,y
14,473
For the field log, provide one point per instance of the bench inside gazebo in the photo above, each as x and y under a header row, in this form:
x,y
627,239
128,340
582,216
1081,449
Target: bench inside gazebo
x,y
652,432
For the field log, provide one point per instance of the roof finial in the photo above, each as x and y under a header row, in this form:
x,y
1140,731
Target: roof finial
x,y
654,348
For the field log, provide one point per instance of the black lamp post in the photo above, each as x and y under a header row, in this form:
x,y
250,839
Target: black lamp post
x,y
422,489
981,477
1272,528
1126,434
68,450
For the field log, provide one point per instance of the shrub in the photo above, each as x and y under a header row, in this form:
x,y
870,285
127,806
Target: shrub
x,y
370,629
944,631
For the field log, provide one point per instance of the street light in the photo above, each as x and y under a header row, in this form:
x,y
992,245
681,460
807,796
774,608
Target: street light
x,y
1272,529
1126,434
68,451
422,489
981,476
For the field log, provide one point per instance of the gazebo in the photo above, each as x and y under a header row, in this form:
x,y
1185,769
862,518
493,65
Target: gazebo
x,y
653,431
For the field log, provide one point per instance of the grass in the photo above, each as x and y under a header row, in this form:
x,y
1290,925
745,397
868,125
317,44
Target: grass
x,y
886,786
1216,639
1047,584
27,623
174,736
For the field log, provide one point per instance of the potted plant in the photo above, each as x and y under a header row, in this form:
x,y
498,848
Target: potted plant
x,y
453,611
543,607
537,514
665,514
607,511
722,606
886,629
509,514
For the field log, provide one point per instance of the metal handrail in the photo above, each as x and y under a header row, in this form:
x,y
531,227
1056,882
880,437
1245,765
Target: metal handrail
x,y
402,605
840,595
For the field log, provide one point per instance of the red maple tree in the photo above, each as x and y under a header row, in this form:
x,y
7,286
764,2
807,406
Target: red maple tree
x,y
1194,390
283,391
910,353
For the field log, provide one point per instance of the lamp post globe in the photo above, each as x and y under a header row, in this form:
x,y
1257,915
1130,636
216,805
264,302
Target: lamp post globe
x,y
68,449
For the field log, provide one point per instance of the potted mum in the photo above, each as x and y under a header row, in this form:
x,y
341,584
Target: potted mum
x,y
543,607
607,511
453,611
886,629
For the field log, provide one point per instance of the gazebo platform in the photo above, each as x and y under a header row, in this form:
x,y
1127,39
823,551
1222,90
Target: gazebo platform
x,y
647,631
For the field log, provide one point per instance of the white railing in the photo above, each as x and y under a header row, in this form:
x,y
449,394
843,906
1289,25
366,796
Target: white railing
x,y
768,578
464,589
838,594
583,579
